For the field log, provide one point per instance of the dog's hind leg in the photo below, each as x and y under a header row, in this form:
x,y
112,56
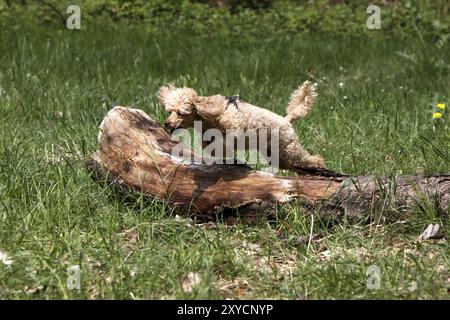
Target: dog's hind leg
x,y
293,156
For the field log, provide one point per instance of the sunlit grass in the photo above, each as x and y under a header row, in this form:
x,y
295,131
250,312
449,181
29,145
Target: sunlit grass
x,y
373,116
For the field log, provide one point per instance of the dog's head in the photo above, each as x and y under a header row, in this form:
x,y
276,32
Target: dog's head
x,y
186,106
180,103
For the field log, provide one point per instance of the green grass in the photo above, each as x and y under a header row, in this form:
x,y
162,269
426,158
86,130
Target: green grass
x,y
56,86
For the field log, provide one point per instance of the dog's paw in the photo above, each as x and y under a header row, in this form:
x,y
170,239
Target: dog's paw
x,y
316,162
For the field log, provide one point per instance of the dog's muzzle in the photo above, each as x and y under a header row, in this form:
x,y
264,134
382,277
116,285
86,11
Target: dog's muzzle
x,y
169,128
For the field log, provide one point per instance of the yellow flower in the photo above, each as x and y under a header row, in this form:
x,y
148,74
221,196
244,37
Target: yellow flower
x,y
437,115
441,106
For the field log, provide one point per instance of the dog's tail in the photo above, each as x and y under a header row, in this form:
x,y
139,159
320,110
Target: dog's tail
x,y
302,100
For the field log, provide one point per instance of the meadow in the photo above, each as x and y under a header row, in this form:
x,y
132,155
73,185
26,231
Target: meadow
x,y
373,116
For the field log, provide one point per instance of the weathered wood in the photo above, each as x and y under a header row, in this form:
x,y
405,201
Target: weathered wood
x,y
135,154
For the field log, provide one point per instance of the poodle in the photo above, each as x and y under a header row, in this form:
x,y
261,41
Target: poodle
x,y
224,113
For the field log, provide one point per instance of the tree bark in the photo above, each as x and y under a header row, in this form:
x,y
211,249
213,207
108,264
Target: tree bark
x,y
135,155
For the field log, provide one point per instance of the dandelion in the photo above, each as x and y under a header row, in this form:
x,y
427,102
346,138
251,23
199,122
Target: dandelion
x,y
5,259
437,115
441,106
341,84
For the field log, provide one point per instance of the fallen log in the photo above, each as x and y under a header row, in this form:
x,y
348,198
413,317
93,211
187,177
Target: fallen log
x,y
135,155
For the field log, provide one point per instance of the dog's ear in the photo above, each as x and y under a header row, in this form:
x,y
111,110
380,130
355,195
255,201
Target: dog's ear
x,y
164,91
185,100
209,107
